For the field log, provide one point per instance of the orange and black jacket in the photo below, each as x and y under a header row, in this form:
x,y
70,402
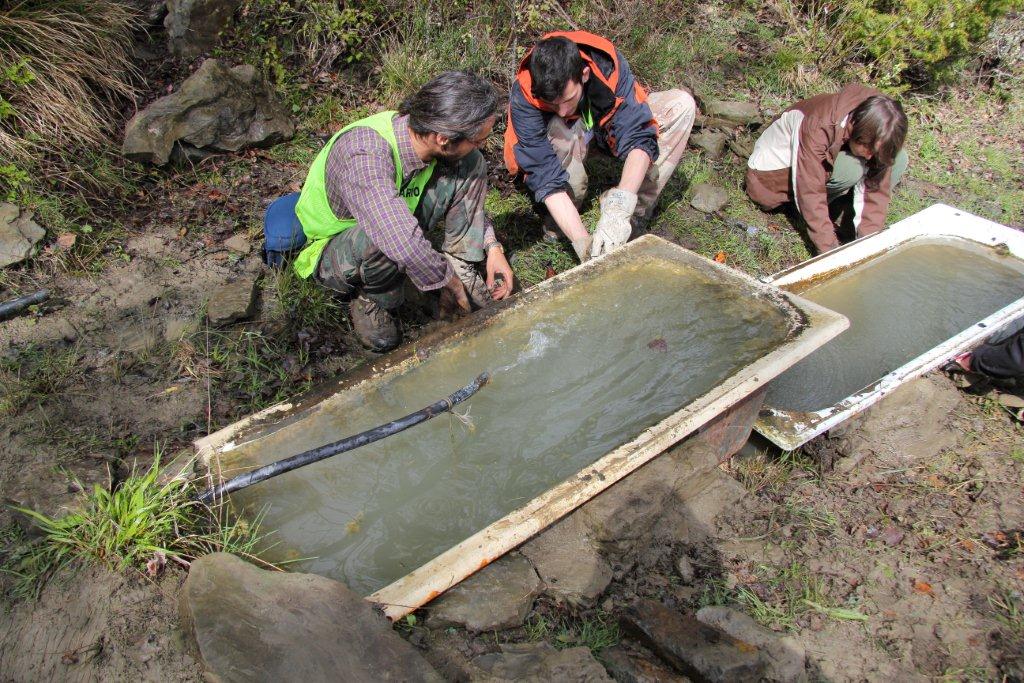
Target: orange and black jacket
x,y
622,120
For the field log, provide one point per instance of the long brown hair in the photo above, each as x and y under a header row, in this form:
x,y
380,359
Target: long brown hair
x,y
880,123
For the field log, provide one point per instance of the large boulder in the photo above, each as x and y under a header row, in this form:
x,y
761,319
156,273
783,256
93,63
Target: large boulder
x,y
217,109
250,624
194,26
19,234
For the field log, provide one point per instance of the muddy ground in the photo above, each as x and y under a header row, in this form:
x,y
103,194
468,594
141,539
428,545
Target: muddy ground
x,y
916,535
898,561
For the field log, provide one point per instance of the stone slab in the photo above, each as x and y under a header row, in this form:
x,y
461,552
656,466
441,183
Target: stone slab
x,y
708,198
711,143
570,564
255,625
497,597
699,651
233,301
19,234
744,113
626,512
784,658
539,662
627,667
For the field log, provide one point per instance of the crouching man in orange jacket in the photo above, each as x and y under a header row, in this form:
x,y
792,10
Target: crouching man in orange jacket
x,y
575,90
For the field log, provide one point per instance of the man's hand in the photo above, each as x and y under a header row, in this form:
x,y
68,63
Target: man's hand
x,y
499,273
613,228
453,298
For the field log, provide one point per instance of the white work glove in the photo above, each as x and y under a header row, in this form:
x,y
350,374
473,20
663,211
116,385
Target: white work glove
x,y
613,227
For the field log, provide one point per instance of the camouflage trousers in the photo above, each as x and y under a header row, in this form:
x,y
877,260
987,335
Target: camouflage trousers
x,y
674,110
451,215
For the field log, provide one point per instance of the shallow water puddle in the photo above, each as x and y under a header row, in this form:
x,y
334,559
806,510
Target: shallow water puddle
x,y
573,377
900,305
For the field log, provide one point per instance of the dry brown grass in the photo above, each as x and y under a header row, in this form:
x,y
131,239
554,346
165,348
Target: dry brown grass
x,y
65,66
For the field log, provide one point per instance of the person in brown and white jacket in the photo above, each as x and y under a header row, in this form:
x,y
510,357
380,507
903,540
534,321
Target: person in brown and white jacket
x,y
832,154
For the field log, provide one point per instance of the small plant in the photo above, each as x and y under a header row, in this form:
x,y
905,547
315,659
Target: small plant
x,y
65,68
779,597
596,632
312,35
140,520
34,373
894,40
1008,609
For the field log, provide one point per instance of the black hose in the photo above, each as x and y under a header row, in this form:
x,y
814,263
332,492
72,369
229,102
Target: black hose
x,y
9,309
346,444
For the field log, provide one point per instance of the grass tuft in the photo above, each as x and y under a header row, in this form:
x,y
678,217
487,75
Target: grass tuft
x,y
126,527
597,631
65,67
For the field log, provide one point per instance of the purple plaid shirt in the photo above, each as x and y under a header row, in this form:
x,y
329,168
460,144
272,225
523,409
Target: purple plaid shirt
x,y
360,179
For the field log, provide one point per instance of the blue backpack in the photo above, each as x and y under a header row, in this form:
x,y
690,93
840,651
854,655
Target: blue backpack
x,y
282,231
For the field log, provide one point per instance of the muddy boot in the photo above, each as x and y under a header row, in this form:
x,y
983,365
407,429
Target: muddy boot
x,y
582,248
375,327
475,283
552,234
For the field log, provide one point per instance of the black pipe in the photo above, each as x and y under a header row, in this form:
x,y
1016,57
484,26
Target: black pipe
x,y
9,309
346,444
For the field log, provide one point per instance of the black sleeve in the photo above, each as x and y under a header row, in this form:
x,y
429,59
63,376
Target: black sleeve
x,y
1002,360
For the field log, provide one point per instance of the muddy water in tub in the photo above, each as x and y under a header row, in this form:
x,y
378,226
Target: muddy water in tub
x,y
900,305
574,376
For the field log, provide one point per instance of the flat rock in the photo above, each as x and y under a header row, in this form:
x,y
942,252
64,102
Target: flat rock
x,y
908,426
708,198
238,244
744,113
711,143
194,26
623,515
684,569
497,597
699,651
255,625
627,667
783,657
233,302
539,662
217,109
19,234
742,148
570,564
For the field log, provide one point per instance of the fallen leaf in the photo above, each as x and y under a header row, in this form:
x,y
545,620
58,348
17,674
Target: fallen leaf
x,y
892,536
923,587
659,345
720,257
156,564
968,545
66,240
935,481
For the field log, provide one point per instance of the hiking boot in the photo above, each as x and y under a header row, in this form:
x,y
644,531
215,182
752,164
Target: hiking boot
x,y
375,326
475,283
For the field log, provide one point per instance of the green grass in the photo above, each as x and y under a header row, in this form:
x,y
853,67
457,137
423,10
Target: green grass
x,y
1008,610
139,520
781,597
34,373
767,474
303,303
597,631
